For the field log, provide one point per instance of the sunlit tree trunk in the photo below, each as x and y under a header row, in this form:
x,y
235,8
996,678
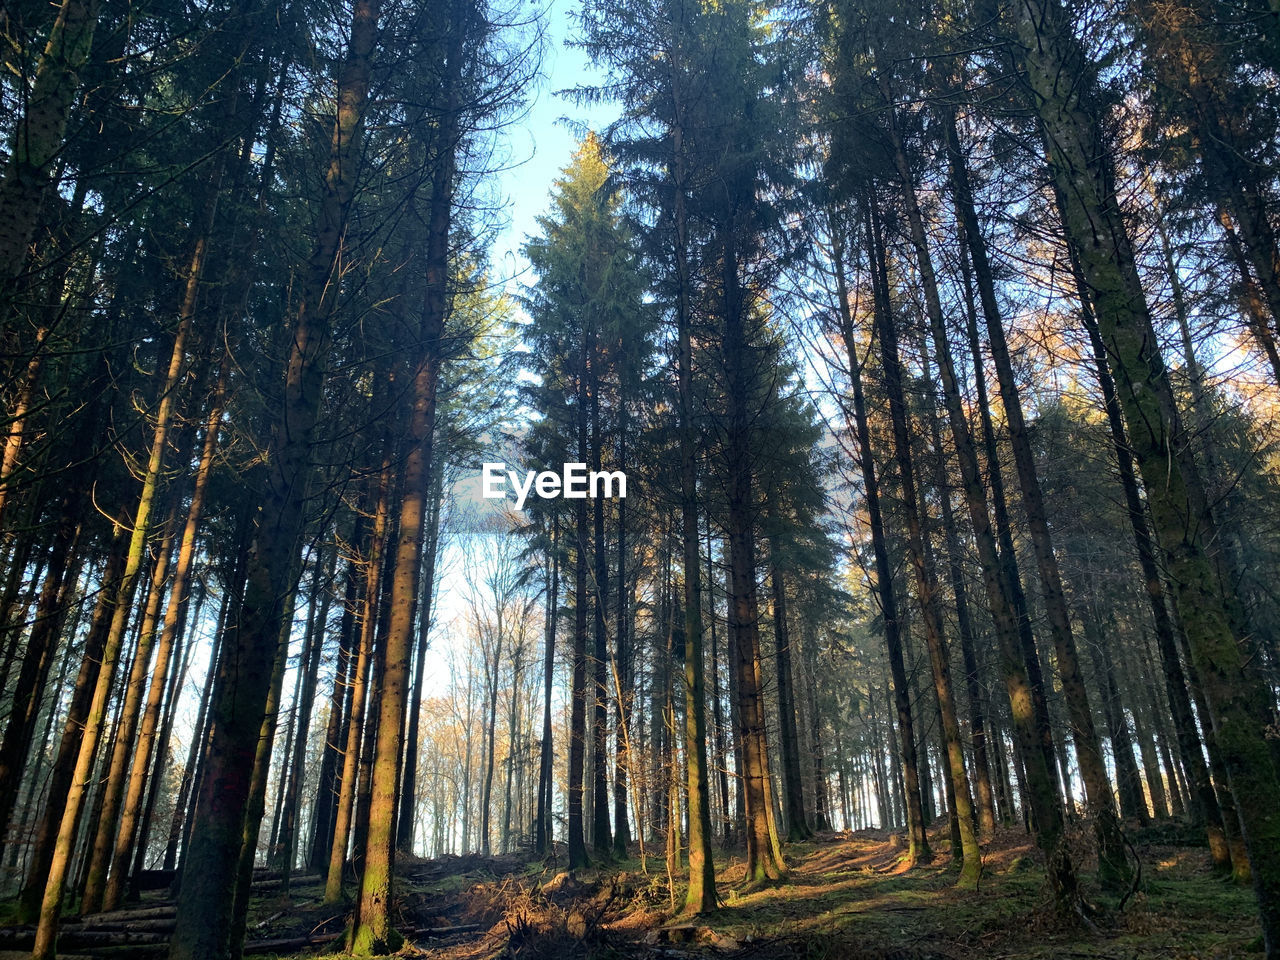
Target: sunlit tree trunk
x,y
372,933
543,835
95,720
764,851
102,837
960,595
409,778
174,623
701,894
348,785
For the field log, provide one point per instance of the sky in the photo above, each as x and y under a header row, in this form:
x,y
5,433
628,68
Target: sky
x,y
540,145
544,139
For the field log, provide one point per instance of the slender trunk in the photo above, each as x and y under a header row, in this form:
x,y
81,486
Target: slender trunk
x,y
821,799
38,138
927,590
1113,868
91,733
157,778
960,594
886,593
285,852
174,623
624,668
324,812
543,834
601,838
701,894
719,753
491,732
578,682
1153,580
1132,803
1082,166
409,778
792,785
372,565
195,752
113,788
764,852
1006,557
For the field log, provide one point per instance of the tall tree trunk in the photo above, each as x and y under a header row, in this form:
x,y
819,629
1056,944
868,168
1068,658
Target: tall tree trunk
x,y
601,837
917,837
1153,580
701,894
624,660
372,933
960,594
792,784
157,777
822,818
174,623
39,135
927,591
285,850
1132,803
324,812
372,567
1113,868
1081,163
409,778
578,680
94,725
543,835
764,851
102,837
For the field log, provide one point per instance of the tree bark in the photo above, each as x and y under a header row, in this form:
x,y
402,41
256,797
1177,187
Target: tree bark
x,y
886,593
39,135
1113,868
209,872
1081,164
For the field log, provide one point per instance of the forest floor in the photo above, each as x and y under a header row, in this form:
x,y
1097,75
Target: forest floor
x,y
849,898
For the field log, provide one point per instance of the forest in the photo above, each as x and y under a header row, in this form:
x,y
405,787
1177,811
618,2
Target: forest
x,y
925,352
